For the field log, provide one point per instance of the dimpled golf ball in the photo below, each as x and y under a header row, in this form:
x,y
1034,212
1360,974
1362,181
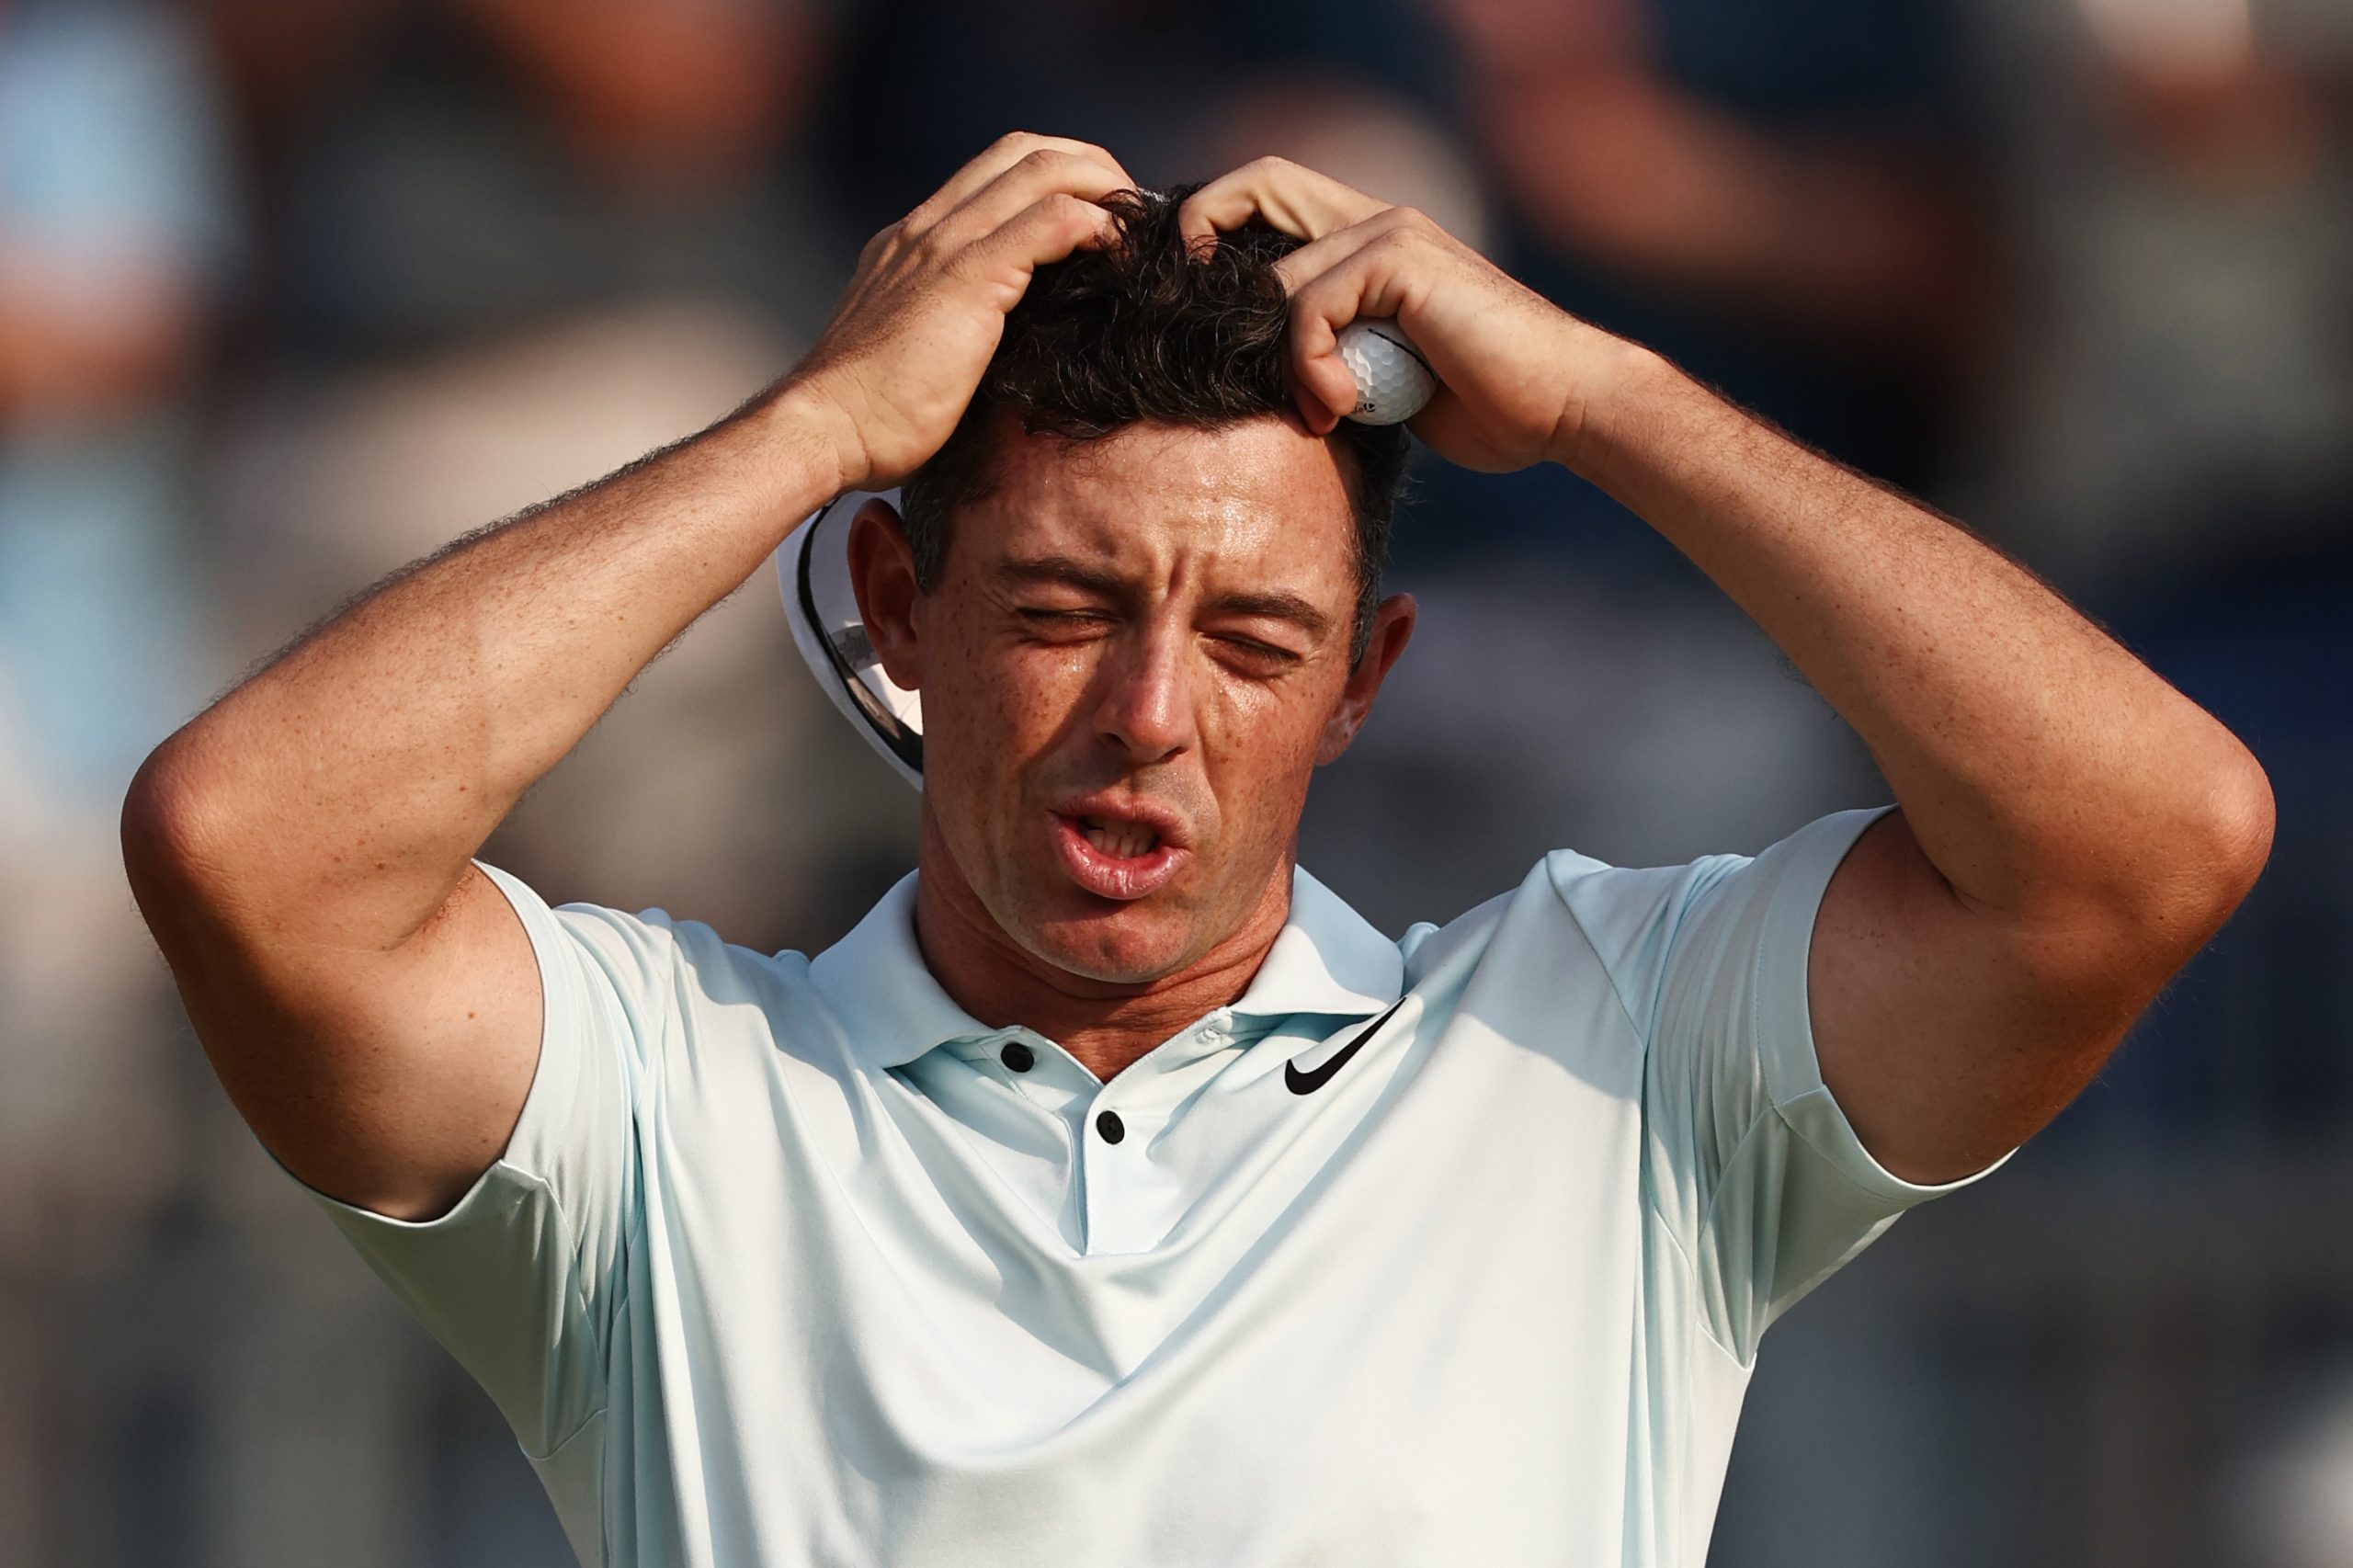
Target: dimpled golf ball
x,y
1394,381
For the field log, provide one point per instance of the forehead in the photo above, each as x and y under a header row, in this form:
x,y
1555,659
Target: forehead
x,y
1259,498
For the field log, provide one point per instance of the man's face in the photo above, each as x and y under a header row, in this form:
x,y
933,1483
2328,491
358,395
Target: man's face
x,y
1136,655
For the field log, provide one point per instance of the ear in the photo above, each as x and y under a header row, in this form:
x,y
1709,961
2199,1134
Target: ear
x,y
882,574
1392,627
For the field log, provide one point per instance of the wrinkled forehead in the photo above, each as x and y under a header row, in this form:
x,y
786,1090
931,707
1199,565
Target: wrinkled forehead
x,y
1262,500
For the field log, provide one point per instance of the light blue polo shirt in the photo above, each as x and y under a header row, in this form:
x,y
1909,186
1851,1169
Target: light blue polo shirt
x,y
1449,1250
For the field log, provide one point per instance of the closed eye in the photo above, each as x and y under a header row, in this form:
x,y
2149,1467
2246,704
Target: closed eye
x,y
1263,658
1064,617
1065,625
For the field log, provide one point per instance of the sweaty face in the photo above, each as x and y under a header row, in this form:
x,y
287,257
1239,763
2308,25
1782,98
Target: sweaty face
x,y
1131,666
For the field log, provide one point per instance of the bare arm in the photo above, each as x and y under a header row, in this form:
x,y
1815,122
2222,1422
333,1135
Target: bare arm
x,y
302,850
2072,828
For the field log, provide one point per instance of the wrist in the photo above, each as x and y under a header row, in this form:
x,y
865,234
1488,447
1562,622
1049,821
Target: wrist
x,y
1615,380
805,419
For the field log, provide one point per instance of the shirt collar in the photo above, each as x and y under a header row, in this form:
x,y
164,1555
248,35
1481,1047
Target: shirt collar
x,y
1326,959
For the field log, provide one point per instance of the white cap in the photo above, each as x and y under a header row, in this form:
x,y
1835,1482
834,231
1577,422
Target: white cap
x,y
812,569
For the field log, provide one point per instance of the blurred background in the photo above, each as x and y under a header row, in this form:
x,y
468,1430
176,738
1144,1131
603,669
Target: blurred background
x,y
291,293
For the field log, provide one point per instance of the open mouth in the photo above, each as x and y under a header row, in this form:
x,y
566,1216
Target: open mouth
x,y
1120,840
1115,856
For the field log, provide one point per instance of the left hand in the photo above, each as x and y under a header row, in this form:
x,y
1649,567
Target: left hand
x,y
1519,377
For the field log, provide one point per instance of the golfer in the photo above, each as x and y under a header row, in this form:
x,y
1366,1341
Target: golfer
x,y
1113,1194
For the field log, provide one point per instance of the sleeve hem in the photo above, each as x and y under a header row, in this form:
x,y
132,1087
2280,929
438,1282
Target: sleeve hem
x,y
1784,1014
539,1111
1817,1119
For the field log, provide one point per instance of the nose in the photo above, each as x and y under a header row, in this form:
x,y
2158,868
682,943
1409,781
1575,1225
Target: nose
x,y
1146,712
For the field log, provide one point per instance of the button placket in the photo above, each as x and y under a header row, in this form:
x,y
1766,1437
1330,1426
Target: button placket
x,y
1104,1164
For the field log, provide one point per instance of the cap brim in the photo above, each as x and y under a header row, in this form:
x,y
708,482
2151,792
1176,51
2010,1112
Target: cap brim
x,y
813,571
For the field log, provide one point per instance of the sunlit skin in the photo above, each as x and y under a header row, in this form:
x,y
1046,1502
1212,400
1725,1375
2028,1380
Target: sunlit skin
x,y
2072,828
1150,632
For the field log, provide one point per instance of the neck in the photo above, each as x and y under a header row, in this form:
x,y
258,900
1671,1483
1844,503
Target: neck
x,y
1107,1025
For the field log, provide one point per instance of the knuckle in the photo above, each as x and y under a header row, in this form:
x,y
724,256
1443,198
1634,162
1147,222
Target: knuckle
x,y
1411,217
1075,147
930,249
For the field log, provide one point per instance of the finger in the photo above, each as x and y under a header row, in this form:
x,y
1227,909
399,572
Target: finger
x,y
1318,256
1047,229
1001,155
1296,201
1373,270
1039,173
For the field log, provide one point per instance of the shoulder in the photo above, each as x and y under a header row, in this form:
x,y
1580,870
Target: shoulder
x,y
651,965
1574,925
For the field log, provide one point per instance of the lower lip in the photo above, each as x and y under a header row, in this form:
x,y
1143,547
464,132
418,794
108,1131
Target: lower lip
x,y
1122,877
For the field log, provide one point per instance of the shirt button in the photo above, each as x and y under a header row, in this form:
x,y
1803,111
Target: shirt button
x,y
1017,1056
1111,1127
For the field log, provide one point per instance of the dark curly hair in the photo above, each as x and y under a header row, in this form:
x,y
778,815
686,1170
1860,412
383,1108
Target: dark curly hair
x,y
1147,329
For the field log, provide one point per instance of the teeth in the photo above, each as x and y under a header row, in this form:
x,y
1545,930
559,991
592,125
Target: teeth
x,y
1121,841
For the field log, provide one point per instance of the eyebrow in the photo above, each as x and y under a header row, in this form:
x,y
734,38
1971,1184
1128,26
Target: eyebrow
x,y
1064,569
1276,604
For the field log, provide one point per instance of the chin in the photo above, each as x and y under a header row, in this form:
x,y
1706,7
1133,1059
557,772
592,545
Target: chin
x,y
1126,945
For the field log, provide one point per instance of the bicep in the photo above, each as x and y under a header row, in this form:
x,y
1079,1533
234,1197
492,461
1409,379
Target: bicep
x,y
388,1080
1947,1035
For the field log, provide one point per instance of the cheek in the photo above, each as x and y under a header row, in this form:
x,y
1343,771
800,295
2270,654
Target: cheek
x,y
1262,742
996,706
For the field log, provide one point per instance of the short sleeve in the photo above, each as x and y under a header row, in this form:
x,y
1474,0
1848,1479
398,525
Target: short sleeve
x,y
1750,1162
523,1280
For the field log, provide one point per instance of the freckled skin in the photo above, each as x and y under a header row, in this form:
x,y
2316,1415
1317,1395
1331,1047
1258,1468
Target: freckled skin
x,y
1148,684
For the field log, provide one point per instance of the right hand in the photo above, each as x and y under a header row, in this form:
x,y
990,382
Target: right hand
x,y
893,371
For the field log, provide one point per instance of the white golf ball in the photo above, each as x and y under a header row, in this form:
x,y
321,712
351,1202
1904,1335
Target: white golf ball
x,y
1394,381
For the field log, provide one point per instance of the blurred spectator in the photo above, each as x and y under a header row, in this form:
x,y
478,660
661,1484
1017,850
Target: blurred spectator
x,y
2182,392
115,223
926,83
1781,195
1798,163
520,244
116,227
440,173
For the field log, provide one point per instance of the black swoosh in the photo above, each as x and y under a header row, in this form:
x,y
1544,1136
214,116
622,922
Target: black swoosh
x,y
1301,1083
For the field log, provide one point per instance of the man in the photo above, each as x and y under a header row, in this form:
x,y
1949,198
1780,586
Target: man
x,y
1113,1194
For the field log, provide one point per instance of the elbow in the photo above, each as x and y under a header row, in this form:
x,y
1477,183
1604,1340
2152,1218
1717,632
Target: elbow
x,y
2215,845
172,832
2240,817
2154,888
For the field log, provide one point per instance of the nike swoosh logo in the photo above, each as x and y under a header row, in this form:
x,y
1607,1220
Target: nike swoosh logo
x,y
1301,1083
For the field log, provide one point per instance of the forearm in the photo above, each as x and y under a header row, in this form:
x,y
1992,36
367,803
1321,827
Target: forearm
x,y
2044,771
345,785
